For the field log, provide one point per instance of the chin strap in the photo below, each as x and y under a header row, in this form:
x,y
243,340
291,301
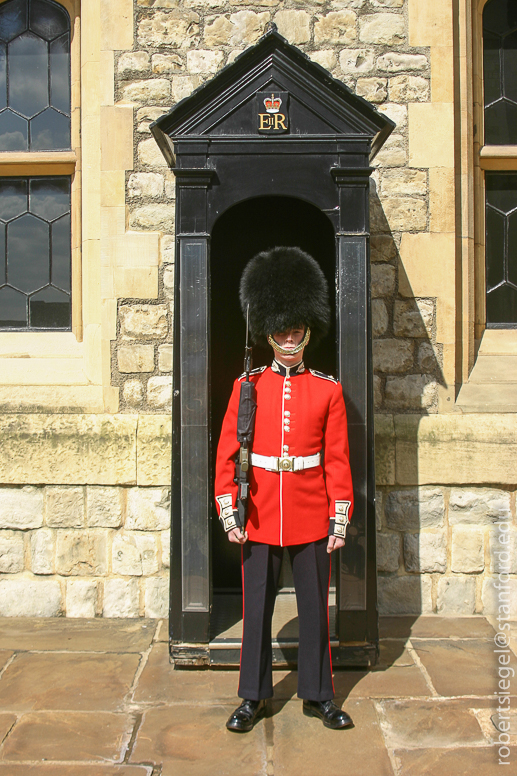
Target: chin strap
x,y
285,351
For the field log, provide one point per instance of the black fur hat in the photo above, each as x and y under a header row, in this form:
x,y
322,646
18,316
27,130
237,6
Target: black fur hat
x,y
284,288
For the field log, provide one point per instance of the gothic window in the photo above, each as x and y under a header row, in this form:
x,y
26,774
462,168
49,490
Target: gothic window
x,y
500,127
35,230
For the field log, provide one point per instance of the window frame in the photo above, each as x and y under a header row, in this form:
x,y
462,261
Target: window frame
x,y
42,163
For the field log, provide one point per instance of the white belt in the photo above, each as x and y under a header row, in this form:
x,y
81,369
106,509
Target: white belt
x,y
285,464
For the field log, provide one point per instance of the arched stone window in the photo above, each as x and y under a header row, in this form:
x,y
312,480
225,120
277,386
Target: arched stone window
x,y
35,210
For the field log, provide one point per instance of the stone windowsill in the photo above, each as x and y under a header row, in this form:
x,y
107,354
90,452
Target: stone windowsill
x,y
492,383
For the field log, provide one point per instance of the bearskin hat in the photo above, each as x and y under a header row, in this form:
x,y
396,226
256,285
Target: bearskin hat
x,y
284,288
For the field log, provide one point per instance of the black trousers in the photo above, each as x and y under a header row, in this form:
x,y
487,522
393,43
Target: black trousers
x,y
261,564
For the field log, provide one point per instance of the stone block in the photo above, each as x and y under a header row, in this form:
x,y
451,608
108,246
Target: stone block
x,y
176,28
388,552
294,25
64,507
135,358
145,184
166,548
405,595
395,61
247,27
427,359
425,552
379,317
21,508
395,112
103,507
414,509
355,61
121,598
384,450
11,552
151,90
157,217
82,553
377,391
204,61
218,31
133,62
165,358
372,89
478,506
404,181
383,248
336,27
149,153
383,280
383,28
168,281
412,392
42,551
392,154
408,88
144,321
405,214
437,151
136,282
467,550
170,189
456,596
503,548
327,58
148,509
159,392
413,318
387,3
498,597
133,393
166,63
154,450
30,598
392,355
157,597
134,554
81,597
89,449
145,116
167,248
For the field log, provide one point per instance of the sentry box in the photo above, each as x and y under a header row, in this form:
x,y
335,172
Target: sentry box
x,y
272,151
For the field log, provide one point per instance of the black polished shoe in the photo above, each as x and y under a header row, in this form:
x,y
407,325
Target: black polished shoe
x,y
329,713
245,716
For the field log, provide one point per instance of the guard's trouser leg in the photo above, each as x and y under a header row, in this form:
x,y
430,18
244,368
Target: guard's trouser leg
x,y
261,564
311,574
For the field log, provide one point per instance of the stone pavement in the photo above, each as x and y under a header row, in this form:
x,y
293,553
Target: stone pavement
x,y
99,698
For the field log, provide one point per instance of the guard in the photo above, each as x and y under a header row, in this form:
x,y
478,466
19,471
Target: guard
x,y
300,482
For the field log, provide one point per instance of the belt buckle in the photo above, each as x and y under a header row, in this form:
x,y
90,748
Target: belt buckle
x,y
286,464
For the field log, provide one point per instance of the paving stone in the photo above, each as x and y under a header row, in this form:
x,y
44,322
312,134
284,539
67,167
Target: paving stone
x,y
460,762
171,735
6,720
36,681
434,627
302,745
399,680
460,667
58,769
160,683
69,735
76,635
409,723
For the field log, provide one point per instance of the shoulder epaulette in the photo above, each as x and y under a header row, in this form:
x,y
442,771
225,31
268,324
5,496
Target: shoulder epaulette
x,y
256,371
323,376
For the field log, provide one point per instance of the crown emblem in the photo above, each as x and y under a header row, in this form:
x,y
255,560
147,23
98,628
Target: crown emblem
x,y
272,104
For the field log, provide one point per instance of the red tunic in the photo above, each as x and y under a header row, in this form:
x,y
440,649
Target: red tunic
x,y
298,414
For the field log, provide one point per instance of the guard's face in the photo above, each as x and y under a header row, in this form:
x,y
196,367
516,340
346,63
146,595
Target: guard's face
x,y
289,340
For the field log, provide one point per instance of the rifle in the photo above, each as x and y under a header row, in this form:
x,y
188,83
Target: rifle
x,y
245,430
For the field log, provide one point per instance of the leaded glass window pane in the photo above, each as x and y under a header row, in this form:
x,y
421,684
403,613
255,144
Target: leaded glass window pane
x,y
35,253
34,76
500,71
501,250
